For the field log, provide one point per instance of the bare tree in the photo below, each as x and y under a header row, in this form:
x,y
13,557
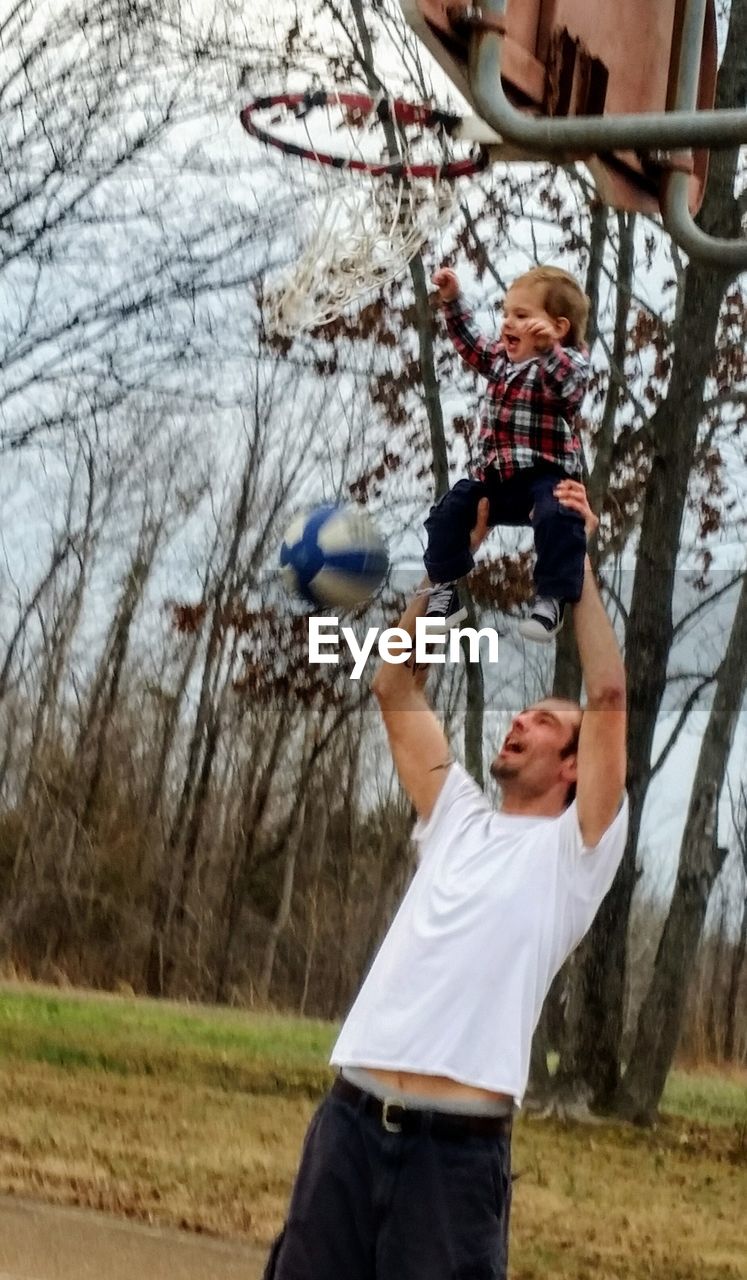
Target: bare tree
x,y
701,858
116,227
731,1039
674,432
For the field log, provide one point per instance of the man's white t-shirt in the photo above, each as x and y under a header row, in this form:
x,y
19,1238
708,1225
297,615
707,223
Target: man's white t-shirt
x,y
497,904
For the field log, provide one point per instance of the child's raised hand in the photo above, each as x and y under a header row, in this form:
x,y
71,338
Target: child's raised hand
x,y
541,332
447,283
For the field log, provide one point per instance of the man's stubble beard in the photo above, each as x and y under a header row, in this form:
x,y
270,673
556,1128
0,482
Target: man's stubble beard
x,y
514,783
502,773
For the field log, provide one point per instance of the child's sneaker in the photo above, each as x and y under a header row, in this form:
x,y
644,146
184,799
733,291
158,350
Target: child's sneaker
x,y
443,603
545,620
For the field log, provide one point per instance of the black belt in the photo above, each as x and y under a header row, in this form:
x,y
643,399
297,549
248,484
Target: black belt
x,y
396,1118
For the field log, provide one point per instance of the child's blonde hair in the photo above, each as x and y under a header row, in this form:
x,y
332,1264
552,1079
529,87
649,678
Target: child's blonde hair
x,y
562,296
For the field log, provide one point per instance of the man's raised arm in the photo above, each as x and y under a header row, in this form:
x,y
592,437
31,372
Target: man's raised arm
x,y
602,756
416,737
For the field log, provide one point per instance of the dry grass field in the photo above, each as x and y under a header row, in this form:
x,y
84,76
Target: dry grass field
x,y
194,1117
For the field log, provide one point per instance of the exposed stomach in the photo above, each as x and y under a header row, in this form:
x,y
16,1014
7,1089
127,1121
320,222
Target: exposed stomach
x,y
426,1086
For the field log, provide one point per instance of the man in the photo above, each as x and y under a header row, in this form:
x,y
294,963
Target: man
x,y
405,1172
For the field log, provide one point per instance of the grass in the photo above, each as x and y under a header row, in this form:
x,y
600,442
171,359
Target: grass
x,y
264,1053
707,1096
195,1117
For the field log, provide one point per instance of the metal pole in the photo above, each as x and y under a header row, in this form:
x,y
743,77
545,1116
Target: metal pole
x,y
591,135
688,71
675,207
685,232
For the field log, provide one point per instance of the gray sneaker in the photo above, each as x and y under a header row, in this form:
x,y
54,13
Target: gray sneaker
x,y
545,620
443,603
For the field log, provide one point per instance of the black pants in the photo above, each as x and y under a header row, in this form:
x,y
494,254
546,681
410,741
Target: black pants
x,y
373,1205
559,537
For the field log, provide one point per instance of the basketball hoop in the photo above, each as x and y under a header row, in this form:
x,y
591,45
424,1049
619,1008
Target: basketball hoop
x,y
367,216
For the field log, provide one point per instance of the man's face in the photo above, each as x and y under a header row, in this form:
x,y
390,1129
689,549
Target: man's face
x,y
531,758
522,304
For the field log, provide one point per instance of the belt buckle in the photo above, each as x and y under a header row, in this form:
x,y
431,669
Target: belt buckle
x,y
391,1126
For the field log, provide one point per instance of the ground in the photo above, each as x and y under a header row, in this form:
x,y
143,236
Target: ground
x,y
193,1118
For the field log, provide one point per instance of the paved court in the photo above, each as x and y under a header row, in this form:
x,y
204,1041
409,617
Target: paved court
x,y
43,1242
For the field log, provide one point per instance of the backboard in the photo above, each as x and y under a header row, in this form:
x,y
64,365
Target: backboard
x,y
573,58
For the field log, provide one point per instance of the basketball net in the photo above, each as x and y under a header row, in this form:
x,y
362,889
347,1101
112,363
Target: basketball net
x,y
363,235
375,183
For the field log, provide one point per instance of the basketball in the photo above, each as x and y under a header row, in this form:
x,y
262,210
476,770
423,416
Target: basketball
x,y
333,556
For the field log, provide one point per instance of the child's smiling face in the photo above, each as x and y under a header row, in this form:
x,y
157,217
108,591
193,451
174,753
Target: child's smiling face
x,y
523,305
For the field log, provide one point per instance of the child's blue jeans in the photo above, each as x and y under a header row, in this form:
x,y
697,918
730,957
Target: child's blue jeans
x,y
526,498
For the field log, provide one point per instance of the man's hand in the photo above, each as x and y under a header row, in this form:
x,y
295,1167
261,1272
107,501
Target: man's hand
x,y
481,528
572,494
447,283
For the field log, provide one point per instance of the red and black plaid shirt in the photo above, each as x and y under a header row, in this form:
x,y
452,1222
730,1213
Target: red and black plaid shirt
x,y
529,409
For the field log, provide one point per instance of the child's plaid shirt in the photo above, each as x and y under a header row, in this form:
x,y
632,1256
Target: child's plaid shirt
x,y
529,409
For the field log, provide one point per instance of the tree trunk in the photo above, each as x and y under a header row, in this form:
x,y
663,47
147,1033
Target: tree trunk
x,y
660,1017
257,788
567,677
312,928
58,643
732,998
61,550
731,1046
203,741
713,1045
649,632
282,915
103,701
424,327
475,709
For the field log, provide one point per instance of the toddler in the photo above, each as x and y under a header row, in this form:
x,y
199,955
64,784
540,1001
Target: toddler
x,y
537,372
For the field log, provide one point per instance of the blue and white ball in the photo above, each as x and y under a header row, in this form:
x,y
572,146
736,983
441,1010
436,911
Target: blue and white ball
x,y
334,556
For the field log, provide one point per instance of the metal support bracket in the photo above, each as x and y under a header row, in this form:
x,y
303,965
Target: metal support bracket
x,y
675,209
684,128
671,161
474,17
